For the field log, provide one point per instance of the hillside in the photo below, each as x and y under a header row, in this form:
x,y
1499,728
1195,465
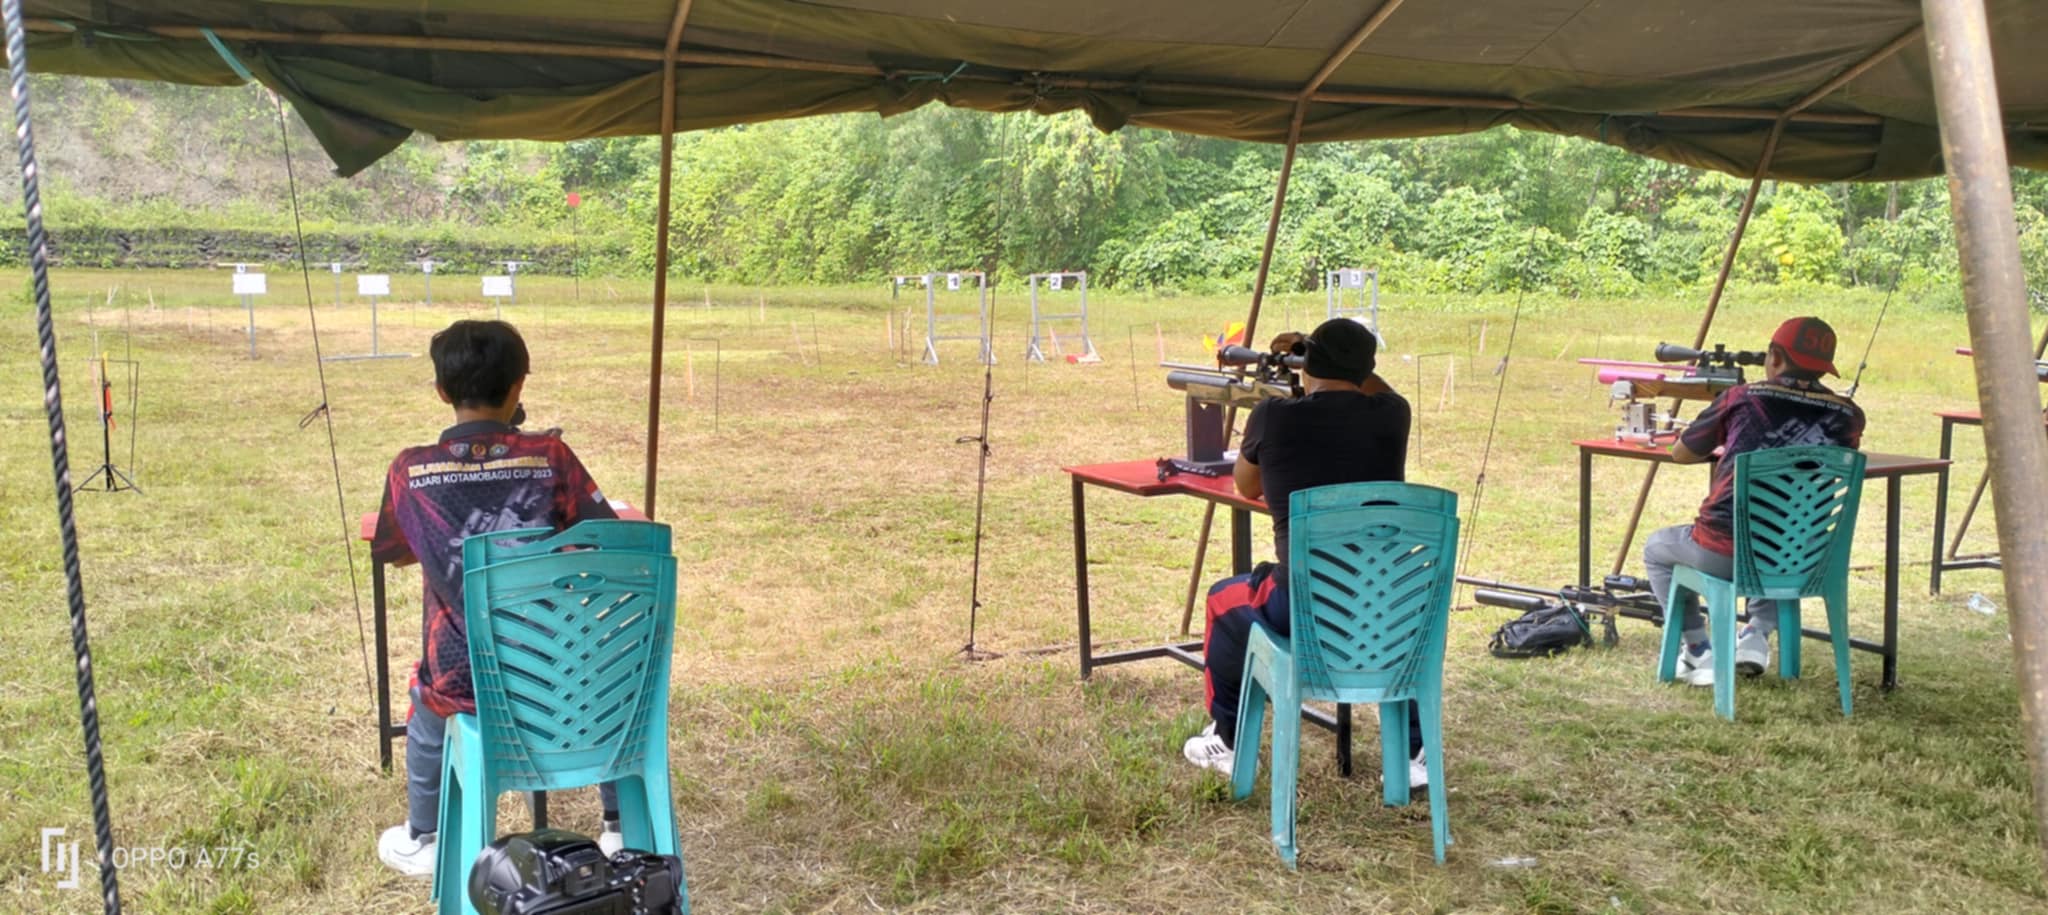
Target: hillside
x,y
150,175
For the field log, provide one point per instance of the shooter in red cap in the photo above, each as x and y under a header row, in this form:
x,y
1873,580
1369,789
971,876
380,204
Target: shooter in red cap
x,y
1789,407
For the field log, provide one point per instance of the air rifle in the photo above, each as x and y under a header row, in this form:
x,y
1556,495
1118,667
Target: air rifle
x,y
1616,594
1680,373
1242,378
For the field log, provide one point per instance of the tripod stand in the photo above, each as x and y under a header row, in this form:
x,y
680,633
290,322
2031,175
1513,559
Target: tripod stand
x,y
112,478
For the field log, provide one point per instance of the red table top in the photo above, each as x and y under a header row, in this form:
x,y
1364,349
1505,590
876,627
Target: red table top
x,y
1141,478
367,527
1875,465
1969,417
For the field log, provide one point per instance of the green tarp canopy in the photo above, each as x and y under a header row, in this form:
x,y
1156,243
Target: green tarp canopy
x,y
1692,81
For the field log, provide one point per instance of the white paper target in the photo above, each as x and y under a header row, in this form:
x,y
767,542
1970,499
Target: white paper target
x,y
1056,280
373,284
953,281
1354,279
497,287
251,284
336,267
426,266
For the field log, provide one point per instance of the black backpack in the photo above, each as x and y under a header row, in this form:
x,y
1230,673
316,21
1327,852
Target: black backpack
x,y
1547,630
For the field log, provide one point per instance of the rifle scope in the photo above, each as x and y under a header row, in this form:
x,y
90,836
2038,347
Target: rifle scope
x,y
1719,355
1245,355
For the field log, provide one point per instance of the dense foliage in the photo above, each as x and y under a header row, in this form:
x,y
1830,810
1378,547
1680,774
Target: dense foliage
x,y
856,198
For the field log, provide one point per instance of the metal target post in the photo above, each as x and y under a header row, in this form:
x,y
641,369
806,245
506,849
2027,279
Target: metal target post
x,y
373,286
247,286
1354,292
427,276
1035,350
933,320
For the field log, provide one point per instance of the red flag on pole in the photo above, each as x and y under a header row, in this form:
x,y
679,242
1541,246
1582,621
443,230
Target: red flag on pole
x,y
575,200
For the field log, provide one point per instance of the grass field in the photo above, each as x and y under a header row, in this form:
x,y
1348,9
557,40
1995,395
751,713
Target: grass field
x,y
832,752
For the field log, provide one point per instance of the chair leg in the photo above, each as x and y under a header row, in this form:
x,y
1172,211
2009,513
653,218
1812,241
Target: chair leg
x,y
1837,600
1721,619
1667,660
1394,788
474,820
449,827
1431,709
1286,767
1789,639
1251,720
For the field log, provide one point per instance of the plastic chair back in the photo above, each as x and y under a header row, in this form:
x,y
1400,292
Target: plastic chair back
x,y
1795,518
1354,495
1369,593
570,656
605,534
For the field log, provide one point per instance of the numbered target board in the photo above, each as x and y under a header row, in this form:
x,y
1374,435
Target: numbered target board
x,y
373,284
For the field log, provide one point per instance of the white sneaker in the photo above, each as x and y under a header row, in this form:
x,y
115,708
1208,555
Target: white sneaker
x,y
1207,750
1418,770
409,856
611,842
1696,668
1752,652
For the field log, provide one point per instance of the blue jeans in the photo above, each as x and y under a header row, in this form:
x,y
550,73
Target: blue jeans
x,y
425,736
1674,546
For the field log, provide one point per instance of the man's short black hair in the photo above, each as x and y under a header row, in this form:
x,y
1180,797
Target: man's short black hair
x,y
1791,370
476,363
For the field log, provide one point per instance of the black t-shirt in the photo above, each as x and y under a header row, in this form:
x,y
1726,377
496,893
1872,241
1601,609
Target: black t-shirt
x,y
1324,438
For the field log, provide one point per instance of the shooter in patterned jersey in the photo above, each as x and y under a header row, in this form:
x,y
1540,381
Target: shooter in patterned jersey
x,y
1789,407
483,475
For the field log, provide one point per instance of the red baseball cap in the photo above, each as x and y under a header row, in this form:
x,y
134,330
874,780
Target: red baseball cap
x,y
1809,343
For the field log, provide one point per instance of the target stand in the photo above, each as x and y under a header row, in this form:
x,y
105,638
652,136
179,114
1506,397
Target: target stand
x,y
108,475
935,323
373,286
1354,292
247,287
1041,334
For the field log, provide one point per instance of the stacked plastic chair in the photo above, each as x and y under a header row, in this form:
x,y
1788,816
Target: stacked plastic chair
x,y
1370,572
569,643
1795,519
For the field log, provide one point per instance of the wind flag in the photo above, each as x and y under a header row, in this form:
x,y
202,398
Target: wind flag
x,y
1232,336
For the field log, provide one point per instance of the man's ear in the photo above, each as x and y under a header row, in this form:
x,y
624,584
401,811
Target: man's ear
x,y
518,388
443,394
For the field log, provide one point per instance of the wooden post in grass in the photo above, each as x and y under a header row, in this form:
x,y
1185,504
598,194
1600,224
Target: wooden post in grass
x,y
1994,291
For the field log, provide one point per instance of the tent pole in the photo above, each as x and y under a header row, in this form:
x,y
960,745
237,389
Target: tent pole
x,y
1756,183
1699,337
1994,290
668,148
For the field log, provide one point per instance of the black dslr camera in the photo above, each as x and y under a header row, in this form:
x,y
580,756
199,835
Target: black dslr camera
x,y
556,872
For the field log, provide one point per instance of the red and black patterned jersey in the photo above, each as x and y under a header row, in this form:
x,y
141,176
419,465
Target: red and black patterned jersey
x,y
1779,413
482,476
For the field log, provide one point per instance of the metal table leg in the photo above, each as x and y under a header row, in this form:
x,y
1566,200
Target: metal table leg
x,y
1240,541
1585,518
1890,679
377,608
1081,575
1948,429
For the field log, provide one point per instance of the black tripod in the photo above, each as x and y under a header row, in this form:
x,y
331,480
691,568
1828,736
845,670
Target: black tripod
x,y
112,477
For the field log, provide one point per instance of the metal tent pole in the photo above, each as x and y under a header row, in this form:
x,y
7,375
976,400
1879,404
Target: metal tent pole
x,y
1994,290
668,149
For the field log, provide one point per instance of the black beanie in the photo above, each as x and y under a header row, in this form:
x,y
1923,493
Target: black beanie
x,y
1341,349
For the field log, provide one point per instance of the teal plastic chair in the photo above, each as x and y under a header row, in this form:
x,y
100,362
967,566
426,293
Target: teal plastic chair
x,y
1795,519
1369,590
569,652
605,534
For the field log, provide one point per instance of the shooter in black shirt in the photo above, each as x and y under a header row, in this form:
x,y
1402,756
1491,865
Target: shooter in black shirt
x,y
1348,427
